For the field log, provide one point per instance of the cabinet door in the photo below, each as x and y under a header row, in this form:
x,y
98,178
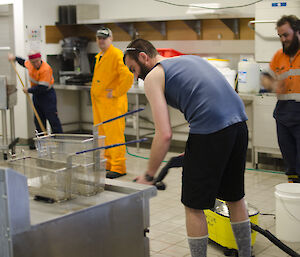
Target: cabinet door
x,y
264,125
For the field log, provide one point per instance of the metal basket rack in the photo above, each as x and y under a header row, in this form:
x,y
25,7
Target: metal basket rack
x,y
89,177
67,164
46,178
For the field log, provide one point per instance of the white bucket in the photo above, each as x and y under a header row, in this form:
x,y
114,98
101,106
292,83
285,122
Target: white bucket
x,y
288,211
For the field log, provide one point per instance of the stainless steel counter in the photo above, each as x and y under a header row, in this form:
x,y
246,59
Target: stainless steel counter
x,y
139,90
132,90
71,87
113,223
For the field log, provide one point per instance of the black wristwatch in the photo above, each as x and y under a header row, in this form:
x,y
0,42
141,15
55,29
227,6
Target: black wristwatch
x,y
149,178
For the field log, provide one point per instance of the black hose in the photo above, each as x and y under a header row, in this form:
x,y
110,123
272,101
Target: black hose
x,y
174,162
13,143
274,240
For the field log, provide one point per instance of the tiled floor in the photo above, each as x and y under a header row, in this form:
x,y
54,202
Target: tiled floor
x,y
167,230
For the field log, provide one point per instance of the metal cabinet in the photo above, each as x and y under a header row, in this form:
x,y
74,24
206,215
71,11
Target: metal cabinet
x,y
264,126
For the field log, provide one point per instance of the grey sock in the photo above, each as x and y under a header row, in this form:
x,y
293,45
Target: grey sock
x,y
242,234
198,246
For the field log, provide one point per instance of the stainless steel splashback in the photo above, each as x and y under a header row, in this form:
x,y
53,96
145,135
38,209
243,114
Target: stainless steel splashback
x,y
8,94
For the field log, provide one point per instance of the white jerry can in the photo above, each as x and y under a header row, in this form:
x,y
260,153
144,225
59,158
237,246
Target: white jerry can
x,y
248,76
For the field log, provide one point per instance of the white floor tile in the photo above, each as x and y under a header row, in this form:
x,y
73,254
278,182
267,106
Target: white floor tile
x,y
157,246
176,251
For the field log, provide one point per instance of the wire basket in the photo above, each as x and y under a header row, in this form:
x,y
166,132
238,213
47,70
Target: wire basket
x,y
89,177
59,146
46,178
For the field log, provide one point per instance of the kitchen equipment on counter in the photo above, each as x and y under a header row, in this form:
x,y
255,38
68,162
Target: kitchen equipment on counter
x,y
75,68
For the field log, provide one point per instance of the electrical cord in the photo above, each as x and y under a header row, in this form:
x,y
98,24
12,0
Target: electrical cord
x,y
266,171
209,8
138,156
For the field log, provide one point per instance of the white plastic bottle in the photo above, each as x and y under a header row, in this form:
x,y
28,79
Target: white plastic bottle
x,y
248,76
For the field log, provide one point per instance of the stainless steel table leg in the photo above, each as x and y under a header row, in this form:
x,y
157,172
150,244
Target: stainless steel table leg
x,y
4,133
253,157
12,127
137,129
79,110
4,127
256,159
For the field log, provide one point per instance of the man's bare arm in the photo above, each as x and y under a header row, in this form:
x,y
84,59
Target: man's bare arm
x,y
154,89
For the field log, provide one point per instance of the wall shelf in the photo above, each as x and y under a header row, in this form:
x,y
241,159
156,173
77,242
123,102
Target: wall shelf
x,y
172,29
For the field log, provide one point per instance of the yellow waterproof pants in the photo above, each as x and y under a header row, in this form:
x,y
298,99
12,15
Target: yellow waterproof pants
x,y
104,109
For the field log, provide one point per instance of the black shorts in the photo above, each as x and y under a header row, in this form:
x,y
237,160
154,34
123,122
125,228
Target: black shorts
x,y
214,167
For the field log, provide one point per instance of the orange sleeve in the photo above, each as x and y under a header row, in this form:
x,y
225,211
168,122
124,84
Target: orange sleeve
x,y
27,62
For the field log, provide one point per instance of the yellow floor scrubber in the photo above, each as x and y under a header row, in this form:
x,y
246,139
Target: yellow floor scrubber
x,y
218,222
219,227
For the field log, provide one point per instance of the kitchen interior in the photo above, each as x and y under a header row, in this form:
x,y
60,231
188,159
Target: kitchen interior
x,y
236,40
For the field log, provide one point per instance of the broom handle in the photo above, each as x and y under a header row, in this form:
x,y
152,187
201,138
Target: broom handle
x,y
111,146
29,100
118,117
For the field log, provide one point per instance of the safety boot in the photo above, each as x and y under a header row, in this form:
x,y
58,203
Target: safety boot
x,y
293,178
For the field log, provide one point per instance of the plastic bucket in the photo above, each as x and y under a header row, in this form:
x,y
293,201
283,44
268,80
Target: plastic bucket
x,y
288,212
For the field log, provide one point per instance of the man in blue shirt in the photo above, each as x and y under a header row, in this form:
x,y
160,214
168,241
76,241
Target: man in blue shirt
x,y
215,154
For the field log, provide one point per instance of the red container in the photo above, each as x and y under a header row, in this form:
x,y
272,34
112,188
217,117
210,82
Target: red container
x,y
168,52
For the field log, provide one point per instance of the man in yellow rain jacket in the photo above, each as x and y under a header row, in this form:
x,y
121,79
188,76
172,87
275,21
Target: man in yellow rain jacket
x,y
111,81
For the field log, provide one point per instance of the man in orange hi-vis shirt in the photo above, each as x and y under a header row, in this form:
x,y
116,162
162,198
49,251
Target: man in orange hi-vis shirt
x,y
111,81
283,77
43,93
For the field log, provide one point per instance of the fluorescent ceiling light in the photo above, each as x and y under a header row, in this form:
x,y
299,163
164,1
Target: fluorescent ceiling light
x,y
203,8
